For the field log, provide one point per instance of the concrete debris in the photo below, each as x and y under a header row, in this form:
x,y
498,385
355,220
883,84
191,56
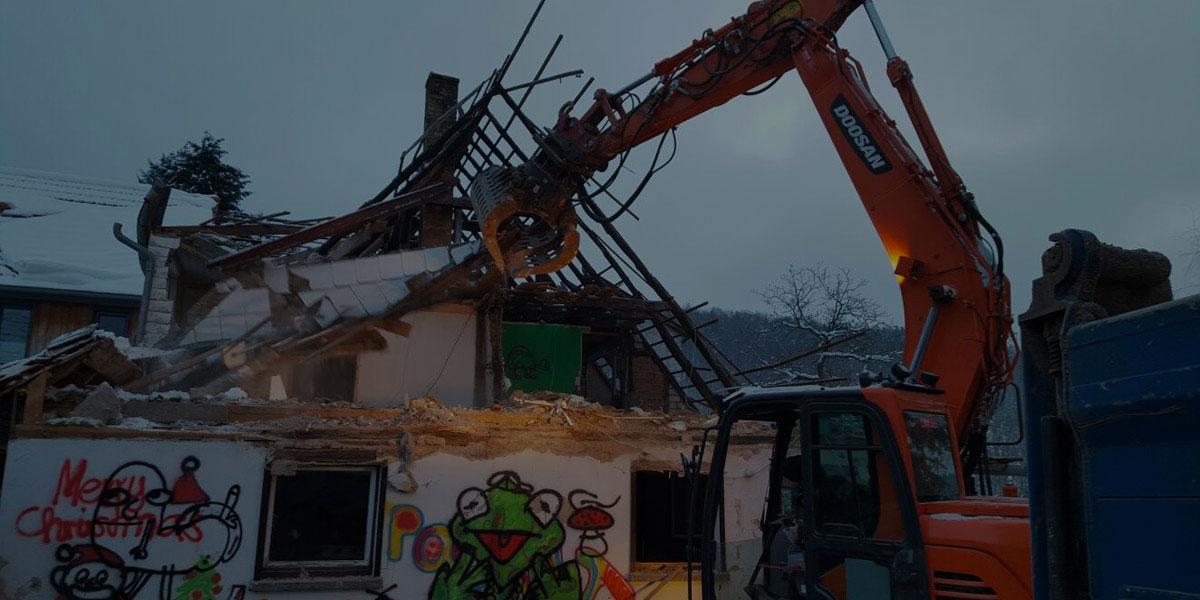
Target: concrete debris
x,y
400,478
101,404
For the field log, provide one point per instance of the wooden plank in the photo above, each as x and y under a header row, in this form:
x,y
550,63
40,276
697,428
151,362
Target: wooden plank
x,y
35,398
335,226
479,398
396,326
247,229
106,360
143,383
256,412
456,308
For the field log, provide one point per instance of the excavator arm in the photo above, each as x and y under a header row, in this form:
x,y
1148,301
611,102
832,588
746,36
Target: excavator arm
x,y
956,299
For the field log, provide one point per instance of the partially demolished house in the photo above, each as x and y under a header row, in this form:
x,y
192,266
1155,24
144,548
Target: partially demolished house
x,y
400,298
313,410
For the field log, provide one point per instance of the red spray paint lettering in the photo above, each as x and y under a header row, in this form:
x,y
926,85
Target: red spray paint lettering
x,y
69,515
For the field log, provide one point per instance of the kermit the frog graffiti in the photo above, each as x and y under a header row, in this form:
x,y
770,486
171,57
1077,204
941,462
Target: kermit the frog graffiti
x,y
508,541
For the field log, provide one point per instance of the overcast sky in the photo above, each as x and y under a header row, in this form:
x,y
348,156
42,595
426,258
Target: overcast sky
x,y
1057,114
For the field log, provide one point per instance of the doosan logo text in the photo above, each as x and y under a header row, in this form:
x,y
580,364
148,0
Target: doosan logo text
x,y
858,137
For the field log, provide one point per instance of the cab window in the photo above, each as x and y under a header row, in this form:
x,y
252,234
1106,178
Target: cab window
x,y
853,489
934,471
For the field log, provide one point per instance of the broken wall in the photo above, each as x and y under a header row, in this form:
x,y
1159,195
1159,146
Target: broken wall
x,y
204,501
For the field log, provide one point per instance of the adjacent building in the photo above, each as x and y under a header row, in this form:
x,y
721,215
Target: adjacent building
x,y
61,267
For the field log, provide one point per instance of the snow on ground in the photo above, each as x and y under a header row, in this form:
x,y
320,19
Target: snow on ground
x,y
59,234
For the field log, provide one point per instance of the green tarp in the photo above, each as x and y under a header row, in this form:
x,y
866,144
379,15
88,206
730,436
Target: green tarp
x,y
543,357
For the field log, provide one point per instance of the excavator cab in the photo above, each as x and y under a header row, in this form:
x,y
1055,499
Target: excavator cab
x,y
839,518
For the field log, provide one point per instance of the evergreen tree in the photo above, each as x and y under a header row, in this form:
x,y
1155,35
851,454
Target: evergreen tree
x,y
201,583
197,168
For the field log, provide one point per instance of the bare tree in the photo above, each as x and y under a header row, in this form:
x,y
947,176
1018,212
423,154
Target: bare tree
x,y
821,307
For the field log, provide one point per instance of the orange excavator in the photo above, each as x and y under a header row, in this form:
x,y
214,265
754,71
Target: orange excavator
x,y
868,493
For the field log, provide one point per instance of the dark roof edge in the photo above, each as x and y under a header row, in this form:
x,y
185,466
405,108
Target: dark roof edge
x,y
41,294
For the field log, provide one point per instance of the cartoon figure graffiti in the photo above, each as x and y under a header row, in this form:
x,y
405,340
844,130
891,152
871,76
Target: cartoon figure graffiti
x,y
507,536
91,572
508,546
591,518
142,528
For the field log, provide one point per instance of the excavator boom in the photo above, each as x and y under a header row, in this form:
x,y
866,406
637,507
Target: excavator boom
x,y
956,299
875,474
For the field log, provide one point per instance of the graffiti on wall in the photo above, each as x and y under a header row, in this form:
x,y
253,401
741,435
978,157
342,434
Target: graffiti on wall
x,y
117,533
508,542
590,516
431,545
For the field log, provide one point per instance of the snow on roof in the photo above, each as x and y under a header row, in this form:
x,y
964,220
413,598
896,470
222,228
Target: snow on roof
x,y
58,234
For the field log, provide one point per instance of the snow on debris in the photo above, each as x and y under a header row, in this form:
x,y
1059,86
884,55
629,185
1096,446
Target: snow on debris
x,y
76,421
130,351
55,219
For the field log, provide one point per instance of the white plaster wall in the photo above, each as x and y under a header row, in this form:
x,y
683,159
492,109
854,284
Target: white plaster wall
x,y
50,502
746,479
37,490
441,478
438,358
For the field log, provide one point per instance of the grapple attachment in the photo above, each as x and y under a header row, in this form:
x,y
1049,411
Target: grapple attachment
x,y
528,229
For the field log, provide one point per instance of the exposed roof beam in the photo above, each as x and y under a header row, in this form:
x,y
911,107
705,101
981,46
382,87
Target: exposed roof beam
x,y
337,225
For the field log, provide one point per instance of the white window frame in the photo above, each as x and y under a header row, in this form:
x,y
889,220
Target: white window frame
x,y
370,546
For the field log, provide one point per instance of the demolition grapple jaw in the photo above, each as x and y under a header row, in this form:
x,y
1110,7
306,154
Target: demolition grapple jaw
x,y
528,227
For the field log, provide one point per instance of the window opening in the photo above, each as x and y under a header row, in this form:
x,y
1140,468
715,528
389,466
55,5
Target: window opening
x,y
113,322
322,520
15,324
661,512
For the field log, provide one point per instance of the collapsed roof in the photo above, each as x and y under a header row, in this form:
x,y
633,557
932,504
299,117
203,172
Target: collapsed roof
x,y
246,292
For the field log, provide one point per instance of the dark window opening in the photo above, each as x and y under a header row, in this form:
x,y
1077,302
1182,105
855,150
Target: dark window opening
x,y
332,378
15,324
113,322
322,521
932,457
661,513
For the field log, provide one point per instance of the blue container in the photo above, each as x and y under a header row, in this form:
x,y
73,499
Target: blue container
x,y
1134,407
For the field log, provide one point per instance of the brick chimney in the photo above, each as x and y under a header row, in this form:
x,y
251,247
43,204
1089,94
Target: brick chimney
x,y
441,96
